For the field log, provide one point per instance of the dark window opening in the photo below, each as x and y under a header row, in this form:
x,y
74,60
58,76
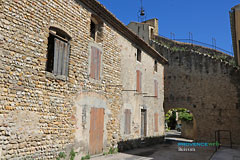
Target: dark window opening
x,y
152,34
58,52
50,55
155,66
93,29
139,56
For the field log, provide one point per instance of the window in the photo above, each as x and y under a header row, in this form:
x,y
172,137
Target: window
x,y
156,88
139,81
96,28
58,52
127,128
93,29
139,56
95,64
155,66
156,122
151,34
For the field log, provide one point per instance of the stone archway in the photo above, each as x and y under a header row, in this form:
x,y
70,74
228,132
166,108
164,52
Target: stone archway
x,y
189,128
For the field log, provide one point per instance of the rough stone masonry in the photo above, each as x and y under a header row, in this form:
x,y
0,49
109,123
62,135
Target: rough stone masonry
x,y
203,80
43,113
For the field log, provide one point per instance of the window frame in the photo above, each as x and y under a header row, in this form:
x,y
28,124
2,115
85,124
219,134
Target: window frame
x,y
62,39
93,35
98,28
139,55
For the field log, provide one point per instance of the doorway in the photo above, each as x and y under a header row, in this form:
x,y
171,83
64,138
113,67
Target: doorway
x,y
143,123
96,131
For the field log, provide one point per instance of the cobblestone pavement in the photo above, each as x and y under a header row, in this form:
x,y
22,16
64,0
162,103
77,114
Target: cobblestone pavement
x,y
165,151
227,153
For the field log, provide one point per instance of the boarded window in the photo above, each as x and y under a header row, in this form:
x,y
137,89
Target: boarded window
x,y
156,88
156,122
58,55
139,81
127,128
95,68
139,55
155,66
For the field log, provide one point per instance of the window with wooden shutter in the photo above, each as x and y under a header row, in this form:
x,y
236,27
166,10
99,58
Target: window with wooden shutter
x,y
139,81
156,122
61,53
156,88
95,68
58,52
127,127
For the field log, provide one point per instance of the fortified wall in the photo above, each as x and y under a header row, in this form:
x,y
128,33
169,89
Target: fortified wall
x,y
204,81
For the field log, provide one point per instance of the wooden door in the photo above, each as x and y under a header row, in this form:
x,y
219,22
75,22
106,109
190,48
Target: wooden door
x,y
96,131
143,123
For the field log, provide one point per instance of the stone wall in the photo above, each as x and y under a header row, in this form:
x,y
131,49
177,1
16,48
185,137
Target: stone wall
x,y
181,46
145,100
207,86
42,115
37,112
187,130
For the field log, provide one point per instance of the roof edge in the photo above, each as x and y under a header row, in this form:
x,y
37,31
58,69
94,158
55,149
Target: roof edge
x,y
120,27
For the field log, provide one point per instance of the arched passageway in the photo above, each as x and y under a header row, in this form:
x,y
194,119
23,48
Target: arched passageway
x,y
182,122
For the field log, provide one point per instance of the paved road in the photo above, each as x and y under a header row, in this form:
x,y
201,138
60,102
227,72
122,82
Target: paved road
x,y
165,151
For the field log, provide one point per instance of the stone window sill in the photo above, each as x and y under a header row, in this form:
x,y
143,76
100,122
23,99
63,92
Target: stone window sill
x,y
58,77
96,81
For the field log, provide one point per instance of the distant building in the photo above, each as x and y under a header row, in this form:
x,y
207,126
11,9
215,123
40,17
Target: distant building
x,y
235,28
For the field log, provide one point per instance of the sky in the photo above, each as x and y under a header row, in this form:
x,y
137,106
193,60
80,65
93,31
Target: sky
x,y
205,19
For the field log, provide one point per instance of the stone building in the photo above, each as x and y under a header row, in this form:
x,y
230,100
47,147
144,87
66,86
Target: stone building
x,y
71,78
202,80
235,29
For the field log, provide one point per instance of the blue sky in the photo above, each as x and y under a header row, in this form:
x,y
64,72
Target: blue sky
x,y
205,19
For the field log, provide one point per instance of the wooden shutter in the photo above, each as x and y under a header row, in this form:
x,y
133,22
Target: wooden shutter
x,y
60,57
92,67
127,127
95,67
99,64
139,81
156,88
56,55
61,53
95,62
156,122
65,60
